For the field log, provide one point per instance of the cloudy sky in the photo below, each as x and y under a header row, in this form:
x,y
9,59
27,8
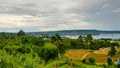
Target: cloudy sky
x,y
50,15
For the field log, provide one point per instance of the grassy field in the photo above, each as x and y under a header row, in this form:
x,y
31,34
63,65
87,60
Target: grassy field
x,y
77,54
99,55
100,58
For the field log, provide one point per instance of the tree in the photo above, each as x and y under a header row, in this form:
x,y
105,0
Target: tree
x,y
91,60
47,53
21,33
109,61
80,38
113,51
89,38
38,42
57,40
53,39
84,61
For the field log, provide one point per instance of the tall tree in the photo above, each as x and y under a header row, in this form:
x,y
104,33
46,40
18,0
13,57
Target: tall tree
x,y
89,39
21,33
113,51
57,40
109,61
80,38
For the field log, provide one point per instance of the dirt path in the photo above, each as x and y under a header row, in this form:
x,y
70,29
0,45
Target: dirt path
x,y
84,56
102,51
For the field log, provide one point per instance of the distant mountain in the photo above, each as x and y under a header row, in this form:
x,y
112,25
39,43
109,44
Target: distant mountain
x,y
74,32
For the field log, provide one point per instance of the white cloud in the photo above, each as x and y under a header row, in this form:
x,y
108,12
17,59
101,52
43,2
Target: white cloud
x,y
77,25
10,21
15,21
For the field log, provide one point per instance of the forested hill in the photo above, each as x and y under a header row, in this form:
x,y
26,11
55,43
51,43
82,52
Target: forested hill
x,y
74,32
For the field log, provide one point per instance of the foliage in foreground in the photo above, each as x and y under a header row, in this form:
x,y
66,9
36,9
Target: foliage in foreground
x,y
18,60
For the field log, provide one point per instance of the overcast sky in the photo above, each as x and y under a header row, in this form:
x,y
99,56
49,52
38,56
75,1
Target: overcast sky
x,y
49,15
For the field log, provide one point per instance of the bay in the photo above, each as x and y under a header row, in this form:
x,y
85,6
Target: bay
x,y
105,36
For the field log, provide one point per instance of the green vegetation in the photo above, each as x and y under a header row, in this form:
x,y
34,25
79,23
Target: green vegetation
x,y
18,50
113,51
91,60
109,61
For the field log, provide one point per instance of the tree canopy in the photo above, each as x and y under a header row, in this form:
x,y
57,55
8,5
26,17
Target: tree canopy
x,y
21,33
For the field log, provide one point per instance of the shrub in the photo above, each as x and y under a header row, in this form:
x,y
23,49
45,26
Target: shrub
x,y
84,61
91,60
109,61
113,51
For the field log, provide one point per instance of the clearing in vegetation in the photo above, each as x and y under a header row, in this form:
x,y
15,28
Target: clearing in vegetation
x,y
77,54
99,55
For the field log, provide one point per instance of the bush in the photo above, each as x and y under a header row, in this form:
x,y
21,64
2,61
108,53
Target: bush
x,y
109,61
91,60
113,51
84,61
47,53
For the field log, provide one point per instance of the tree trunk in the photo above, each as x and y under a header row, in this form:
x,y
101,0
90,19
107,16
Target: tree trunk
x,y
59,54
56,65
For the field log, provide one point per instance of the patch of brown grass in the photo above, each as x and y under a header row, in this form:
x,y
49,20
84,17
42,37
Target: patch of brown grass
x,y
77,54
100,58
99,55
102,51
